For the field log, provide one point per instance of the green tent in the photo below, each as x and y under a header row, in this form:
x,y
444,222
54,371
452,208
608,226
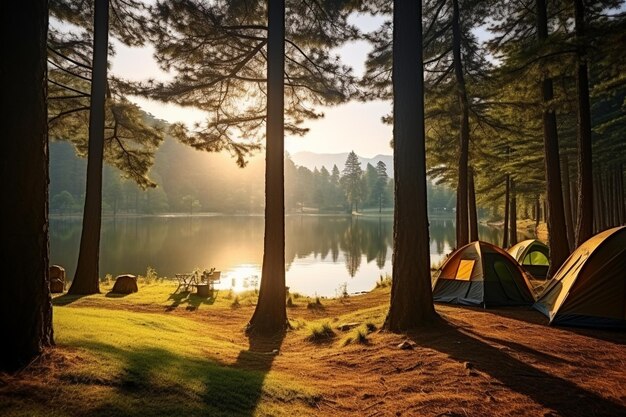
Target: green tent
x,y
533,255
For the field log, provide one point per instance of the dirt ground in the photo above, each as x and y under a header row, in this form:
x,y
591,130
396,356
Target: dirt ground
x,y
472,362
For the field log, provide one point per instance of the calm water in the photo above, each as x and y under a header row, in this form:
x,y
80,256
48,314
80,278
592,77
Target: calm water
x,y
322,252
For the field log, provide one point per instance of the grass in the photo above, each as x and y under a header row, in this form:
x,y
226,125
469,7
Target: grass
x,y
131,363
315,304
159,353
320,332
152,353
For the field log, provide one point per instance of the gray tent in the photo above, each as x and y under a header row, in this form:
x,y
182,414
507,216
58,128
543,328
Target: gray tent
x,y
482,274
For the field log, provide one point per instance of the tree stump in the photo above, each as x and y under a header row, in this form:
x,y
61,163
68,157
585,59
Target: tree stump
x,y
125,284
57,279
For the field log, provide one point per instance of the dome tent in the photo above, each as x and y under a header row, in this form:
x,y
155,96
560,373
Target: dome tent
x,y
533,255
480,273
589,290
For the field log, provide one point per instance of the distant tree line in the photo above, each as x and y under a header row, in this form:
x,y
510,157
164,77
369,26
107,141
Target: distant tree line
x,y
191,182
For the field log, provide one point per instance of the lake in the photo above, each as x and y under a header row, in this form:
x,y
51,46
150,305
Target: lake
x,y
323,252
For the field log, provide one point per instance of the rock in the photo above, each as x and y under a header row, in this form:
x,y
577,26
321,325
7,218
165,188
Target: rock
x,y
57,286
347,326
125,284
406,345
57,279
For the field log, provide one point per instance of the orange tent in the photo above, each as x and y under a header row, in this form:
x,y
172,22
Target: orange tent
x,y
589,290
482,274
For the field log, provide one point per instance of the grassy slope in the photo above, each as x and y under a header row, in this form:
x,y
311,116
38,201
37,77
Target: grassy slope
x,y
154,353
113,359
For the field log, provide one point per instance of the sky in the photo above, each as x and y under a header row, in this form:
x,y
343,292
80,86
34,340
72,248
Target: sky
x,y
352,126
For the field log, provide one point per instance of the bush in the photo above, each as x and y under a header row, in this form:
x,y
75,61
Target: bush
x,y
107,280
359,335
384,281
150,278
317,304
235,303
320,332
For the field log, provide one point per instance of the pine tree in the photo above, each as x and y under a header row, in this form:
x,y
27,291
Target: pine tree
x,y
270,314
218,53
380,188
127,126
25,305
352,181
411,295
86,279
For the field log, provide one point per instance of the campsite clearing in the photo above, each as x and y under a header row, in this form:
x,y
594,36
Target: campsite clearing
x,y
150,354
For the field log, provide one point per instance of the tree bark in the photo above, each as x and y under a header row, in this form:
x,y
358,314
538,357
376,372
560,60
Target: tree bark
x,y
567,207
462,223
25,304
584,222
270,315
473,215
559,249
86,278
411,295
505,237
513,215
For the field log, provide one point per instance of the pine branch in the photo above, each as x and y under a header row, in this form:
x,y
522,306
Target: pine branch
x,y
68,71
65,113
87,67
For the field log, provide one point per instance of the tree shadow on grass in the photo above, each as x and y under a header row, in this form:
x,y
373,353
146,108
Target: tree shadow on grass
x,y
66,299
561,395
190,300
156,382
112,294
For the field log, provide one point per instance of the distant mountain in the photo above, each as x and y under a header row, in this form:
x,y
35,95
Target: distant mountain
x,y
312,160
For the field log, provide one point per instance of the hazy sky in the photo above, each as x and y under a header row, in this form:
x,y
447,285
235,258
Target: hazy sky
x,y
352,126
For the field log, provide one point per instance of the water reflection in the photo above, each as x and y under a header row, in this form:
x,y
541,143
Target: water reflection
x,y
322,252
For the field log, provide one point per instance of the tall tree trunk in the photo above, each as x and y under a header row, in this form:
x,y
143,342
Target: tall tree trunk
x,y
86,278
270,315
513,215
559,248
505,237
584,222
596,204
573,186
473,215
610,185
569,223
411,295
600,202
462,223
25,307
622,202
537,212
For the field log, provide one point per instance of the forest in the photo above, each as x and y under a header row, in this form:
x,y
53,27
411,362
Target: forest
x,y
500,110
193,182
